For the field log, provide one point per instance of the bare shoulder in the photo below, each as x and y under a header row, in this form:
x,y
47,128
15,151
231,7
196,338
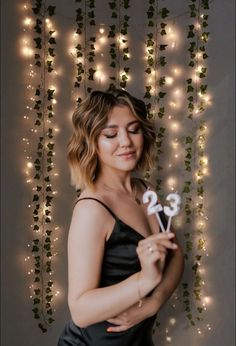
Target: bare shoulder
x,y
89,214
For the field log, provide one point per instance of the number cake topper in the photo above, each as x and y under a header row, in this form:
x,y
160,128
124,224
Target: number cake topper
x,y
154,208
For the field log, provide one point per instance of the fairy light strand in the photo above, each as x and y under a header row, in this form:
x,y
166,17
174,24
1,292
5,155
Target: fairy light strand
x,y
40,32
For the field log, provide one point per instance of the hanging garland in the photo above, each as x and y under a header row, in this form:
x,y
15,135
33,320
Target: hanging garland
x,y
119,49
84,47
42,111
156,60
195,155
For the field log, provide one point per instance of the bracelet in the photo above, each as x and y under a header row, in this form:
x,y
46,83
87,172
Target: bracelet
x,y
140,302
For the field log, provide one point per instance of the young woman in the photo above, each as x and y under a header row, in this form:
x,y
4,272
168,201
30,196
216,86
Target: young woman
x,y
122,269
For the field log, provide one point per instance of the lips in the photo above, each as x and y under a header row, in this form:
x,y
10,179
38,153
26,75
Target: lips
x,y
127,153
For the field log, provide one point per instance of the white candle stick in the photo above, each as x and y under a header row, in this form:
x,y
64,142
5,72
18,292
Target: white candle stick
x,y
175,201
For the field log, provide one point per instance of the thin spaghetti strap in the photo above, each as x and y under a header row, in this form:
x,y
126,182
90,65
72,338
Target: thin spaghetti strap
x,y
95,199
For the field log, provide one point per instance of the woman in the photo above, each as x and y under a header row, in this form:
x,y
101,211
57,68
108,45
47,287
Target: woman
x,y
120,273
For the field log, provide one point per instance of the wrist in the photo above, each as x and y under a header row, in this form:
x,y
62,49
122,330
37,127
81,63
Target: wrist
x,y
145,284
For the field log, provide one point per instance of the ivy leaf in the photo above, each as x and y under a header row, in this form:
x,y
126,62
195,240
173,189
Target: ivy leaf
x,y
52,40
51,52
188,139
36,10
191,34
162,46
164,12
51,10
50,93
112,5
162,61
161,94
38,42
36,301
37,27
190,88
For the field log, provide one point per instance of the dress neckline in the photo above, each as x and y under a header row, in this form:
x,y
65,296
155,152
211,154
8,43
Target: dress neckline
x,y
138,234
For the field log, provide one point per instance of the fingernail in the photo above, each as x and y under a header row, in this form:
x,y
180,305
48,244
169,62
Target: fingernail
x,y
109,329
174,246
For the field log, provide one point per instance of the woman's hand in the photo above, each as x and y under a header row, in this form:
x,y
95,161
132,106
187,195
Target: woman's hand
x,y
133,315
152,253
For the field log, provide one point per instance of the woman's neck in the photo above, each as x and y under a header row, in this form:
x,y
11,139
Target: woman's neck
x,y
119,182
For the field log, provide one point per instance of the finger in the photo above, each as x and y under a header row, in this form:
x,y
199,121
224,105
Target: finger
x,y
162,245
115,320
118,329
151,249
156,256
153,237
155,247
168,244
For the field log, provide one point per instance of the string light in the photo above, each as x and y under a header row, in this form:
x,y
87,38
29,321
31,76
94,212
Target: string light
x,y
33,80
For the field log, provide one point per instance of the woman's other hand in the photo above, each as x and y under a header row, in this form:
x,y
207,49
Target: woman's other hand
x,y
132,316
152,253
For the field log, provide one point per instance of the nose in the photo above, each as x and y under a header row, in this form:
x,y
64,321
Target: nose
x,y
124,138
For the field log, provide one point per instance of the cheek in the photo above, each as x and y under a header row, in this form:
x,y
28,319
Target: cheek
x,y
105,146
140,141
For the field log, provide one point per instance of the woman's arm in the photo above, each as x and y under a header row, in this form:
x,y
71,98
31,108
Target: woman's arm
x,y
171,278
152,304
89,304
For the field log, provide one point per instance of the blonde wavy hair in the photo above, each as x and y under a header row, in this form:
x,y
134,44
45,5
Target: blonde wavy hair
x,y
89,118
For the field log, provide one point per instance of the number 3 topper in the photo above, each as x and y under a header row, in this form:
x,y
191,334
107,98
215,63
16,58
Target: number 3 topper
x,y
154,208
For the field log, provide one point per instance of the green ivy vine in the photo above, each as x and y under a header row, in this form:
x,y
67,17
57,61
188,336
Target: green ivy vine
x,y
119,51
156,59
85,47
194,151
45,42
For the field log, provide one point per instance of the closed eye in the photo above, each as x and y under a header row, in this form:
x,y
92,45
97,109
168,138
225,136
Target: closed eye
x,y
110,136
135,130
131,130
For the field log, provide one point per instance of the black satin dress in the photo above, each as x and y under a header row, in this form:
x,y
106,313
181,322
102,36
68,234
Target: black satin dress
x,y
119,262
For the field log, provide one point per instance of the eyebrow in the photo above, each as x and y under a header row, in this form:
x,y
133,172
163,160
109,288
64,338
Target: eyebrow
x,y
115,126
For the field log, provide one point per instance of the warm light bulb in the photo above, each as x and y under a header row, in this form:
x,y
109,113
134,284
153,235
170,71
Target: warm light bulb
x,y
175,126
198,26
103,39
169,80
28,21
204,160
72,50
177,92
176,71
27,51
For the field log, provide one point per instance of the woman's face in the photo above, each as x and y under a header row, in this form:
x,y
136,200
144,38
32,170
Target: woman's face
x,y
120,142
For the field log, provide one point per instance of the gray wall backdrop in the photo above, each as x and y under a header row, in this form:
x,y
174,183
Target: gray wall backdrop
x,y
18,325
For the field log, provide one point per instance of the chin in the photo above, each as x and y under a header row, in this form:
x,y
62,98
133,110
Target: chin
x,y
127,167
